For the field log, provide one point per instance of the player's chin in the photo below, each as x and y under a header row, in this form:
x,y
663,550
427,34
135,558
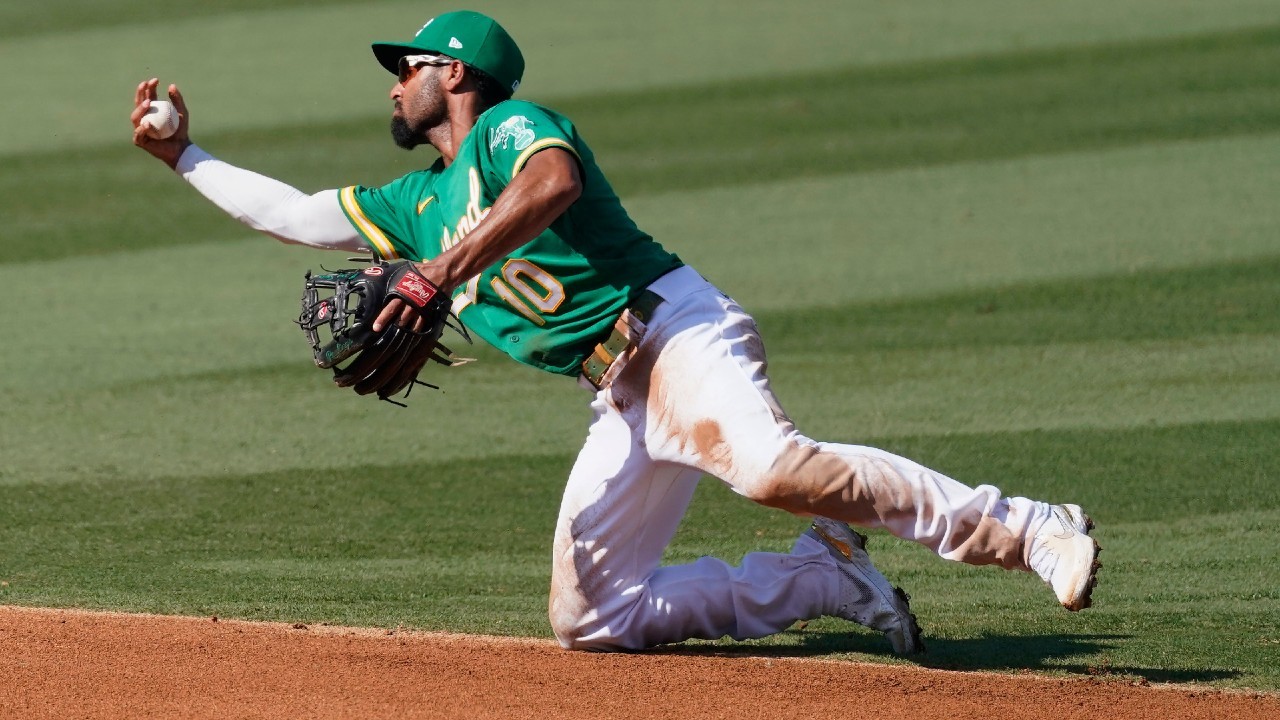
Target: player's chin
x,y
403,134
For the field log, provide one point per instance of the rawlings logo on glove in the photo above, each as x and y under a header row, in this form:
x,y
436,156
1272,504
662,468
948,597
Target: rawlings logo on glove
x,y
413,288
384,362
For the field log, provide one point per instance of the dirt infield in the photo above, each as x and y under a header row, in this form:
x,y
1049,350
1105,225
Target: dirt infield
x,y
71,664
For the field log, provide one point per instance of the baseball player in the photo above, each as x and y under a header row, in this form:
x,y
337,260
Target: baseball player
x,y
516,221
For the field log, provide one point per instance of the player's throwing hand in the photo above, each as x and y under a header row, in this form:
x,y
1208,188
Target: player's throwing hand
x,y
169,149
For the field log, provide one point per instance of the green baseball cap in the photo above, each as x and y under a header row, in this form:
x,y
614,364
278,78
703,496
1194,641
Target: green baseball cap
x,y
475,39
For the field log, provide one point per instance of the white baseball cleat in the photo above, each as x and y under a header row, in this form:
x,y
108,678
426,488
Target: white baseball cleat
x,y
1062,553
867,596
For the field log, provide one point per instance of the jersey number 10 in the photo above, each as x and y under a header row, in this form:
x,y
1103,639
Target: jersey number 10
x,y
527,288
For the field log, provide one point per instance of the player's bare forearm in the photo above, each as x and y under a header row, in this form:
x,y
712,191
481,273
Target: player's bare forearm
x,y
549,183
543,191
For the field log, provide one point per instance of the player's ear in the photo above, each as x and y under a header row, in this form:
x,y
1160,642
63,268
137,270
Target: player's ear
x,y
455,75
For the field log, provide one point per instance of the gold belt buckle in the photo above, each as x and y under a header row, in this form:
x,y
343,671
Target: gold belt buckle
x,y
619,340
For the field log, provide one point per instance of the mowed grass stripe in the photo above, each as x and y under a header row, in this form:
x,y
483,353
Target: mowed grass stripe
x,y
1123,475
1199,302
22,18
591,48
937,112
727,134
1157,347
1203,301
1153,348
1087,385
287,416
384,545
286,420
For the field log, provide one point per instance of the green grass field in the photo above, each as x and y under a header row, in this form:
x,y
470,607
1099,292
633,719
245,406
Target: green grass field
x,y
1038,248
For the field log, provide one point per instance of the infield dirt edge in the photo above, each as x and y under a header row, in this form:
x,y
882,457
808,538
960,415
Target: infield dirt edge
x,y
82,663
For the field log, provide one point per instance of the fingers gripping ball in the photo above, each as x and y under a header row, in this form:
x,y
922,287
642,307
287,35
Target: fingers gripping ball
x,y
338,310
161,120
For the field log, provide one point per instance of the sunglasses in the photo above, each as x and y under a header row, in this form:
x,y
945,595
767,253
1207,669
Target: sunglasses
x,y
409,64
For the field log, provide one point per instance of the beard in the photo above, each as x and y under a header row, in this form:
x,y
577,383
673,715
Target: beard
x,y
410,133
405,135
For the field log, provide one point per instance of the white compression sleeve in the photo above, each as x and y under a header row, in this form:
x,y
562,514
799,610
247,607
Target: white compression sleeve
x,y
270,206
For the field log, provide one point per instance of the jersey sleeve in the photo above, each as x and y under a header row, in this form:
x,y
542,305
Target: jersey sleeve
x,y
515,131
381,215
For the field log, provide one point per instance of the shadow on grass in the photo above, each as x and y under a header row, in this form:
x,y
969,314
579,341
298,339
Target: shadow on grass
x,y
1076,654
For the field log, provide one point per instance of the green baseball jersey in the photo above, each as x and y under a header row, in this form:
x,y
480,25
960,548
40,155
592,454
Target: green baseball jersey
x,y
548,303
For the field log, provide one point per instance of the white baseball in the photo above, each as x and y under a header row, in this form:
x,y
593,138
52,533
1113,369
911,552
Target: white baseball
x,y
161,119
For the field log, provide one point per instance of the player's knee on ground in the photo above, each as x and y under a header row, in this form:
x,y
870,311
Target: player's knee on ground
x,y
575,632
566,623
565,629
572,637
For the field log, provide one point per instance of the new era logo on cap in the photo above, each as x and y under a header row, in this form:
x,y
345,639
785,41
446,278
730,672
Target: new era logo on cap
x,y
455,43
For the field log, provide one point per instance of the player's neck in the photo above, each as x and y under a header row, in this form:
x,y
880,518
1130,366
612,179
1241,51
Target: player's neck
x,y
447,137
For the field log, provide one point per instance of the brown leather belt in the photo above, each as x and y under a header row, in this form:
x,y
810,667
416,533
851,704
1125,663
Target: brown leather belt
x,y
598,362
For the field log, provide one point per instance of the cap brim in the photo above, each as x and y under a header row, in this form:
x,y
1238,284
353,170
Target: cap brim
x,y
389,54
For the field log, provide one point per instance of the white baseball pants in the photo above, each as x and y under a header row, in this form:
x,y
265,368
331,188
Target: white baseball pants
x,y
692,399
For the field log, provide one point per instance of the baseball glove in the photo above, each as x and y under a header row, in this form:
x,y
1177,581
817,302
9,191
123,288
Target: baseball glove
x,y
346,302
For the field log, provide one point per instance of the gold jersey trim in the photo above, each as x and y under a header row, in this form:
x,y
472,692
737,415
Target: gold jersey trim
x,y
380,242
541,145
